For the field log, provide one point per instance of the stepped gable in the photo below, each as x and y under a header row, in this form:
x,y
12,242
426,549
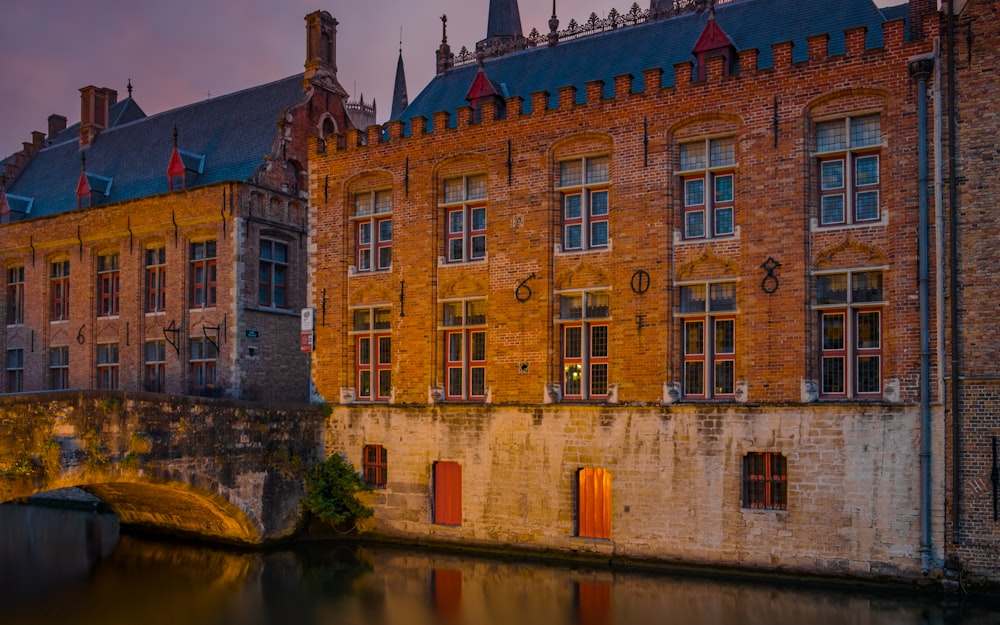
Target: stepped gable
x,y
235,133
663,43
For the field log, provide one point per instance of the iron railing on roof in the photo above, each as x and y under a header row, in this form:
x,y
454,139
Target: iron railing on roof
x,y
595,25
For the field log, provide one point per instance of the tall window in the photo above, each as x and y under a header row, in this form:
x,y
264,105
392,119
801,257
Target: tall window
x,y
107,365
15,370
59,368
465,349
59,291
447,493
204,356
465,215
848,151
583,186
850,306
203,274
273,277
108,285
373,230
593,514
584,316
707,174
15,296
373,354
373,465
709,339
765,481
156,279
155,376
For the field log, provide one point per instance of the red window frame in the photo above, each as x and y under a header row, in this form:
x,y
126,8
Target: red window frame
x,y
849,149
708,339
765,481
59,290
59,367
107,365
372,354
203,363
585,360
850,350
373,375
584,178
203,274
156,279
374,462
372,230
447,493
466,237
108,285
593,514
155,366
15,296
710,162
464,336
585,344
465,361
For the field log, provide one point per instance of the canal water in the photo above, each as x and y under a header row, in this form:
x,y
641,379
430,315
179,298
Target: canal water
x,y
71,567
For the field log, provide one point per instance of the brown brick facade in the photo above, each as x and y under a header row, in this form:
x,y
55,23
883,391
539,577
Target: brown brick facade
x,y
246,365
973,526
521,448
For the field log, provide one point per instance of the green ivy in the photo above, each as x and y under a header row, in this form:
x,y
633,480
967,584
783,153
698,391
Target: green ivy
x,y
332,488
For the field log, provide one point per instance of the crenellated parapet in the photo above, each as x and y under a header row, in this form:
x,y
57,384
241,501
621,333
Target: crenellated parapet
x,y
664,82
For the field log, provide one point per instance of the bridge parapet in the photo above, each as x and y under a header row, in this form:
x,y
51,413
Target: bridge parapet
x,y
212,468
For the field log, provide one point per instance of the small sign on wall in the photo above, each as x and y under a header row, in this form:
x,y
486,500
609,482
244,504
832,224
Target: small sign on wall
x,y
307,341
253,334
308,317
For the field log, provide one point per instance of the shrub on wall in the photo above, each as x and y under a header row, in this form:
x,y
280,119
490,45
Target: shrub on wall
x,y
332,488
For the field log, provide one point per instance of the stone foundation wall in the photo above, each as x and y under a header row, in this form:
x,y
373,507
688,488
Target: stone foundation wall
x,y
853,481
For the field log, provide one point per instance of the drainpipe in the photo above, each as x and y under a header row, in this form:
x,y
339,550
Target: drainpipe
x,y
921,69
953,291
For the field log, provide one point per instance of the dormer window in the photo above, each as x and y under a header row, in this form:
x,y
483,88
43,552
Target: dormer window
x,y
184,166
483,90
714,43
91,189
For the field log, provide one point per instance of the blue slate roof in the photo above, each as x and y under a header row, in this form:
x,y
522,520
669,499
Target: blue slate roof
x,y
233,133
752,24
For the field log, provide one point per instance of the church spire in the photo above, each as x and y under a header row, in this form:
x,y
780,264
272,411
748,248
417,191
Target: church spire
x,y
505,19
399,98
503,31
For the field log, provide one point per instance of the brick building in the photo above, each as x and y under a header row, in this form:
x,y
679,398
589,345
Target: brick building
x,y
167,252
659,292
969,190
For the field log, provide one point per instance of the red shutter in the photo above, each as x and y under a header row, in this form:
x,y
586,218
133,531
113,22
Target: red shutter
x,y
594,503
447,493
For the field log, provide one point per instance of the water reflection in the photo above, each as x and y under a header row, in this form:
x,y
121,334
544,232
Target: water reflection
x,y
152,582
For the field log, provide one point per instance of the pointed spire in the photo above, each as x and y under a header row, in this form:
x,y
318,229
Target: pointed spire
x,y
505,19
399,97
129,87
503,31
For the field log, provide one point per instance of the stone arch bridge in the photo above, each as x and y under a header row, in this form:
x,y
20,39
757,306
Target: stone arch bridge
x,y
208,468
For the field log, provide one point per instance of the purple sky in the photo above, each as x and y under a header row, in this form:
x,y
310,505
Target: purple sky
x,y
180,51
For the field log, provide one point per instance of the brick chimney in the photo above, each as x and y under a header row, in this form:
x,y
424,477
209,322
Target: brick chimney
x,y
95,106
321,45
57,124
917,10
